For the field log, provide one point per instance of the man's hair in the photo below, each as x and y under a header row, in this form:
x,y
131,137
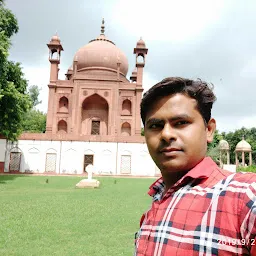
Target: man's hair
x,y
198,90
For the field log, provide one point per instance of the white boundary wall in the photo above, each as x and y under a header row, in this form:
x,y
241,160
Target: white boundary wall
x,y
2,149
70,156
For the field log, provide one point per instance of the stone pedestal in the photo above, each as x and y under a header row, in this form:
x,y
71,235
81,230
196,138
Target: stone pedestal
x,y
88,183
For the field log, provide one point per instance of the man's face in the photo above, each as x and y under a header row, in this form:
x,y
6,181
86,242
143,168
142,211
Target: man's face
x,y
176,133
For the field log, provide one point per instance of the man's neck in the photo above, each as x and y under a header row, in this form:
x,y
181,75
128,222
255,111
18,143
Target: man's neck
x,y
171,178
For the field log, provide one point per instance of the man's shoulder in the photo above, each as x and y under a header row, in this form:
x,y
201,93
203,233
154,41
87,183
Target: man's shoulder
x,y
245,177
241,179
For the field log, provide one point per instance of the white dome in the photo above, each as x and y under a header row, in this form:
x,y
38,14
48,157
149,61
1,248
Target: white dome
x,y
243,146
223,145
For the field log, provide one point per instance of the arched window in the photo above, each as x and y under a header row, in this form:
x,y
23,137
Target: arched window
x,y
140,58
126,129
127,107
62,126
63,105
54,55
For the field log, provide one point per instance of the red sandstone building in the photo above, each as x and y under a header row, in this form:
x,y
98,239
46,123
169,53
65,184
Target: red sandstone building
x,y
96,102
93,116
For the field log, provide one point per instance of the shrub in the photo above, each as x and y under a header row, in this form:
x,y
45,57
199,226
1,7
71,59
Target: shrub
x,y
251,168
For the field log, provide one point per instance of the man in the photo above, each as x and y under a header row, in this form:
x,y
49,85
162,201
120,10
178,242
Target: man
x,y
197,208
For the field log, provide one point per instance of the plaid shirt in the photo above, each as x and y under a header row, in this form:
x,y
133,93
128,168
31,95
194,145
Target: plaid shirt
x,y
209,211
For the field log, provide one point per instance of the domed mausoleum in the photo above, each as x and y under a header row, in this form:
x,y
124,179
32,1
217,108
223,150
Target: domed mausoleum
x,y
93,116
96,102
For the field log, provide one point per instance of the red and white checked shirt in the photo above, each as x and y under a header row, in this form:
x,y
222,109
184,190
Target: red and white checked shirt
x,y
209,211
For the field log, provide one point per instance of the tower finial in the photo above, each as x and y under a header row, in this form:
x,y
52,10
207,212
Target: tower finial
x,y
102,27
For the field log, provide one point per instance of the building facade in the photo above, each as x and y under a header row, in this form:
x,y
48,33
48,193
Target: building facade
x,y
93,116
96,99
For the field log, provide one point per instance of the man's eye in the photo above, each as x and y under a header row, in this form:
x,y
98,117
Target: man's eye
x,y
181,123
154,126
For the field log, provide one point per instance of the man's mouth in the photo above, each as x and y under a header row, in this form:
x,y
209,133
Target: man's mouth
x,y
170,149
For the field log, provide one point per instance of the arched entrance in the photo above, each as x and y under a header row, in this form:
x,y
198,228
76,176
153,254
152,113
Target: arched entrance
x,y
126,129
94,116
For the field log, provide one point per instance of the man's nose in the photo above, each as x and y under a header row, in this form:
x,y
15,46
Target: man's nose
x,y
168,133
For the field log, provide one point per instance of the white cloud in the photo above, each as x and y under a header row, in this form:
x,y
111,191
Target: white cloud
x,y
168,20
237,123
40,76
249,70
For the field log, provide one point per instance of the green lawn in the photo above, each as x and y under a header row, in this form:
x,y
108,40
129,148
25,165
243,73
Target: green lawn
x,y
55,218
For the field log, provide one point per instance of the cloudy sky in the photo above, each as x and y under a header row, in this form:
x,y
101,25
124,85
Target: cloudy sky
x,y
212,40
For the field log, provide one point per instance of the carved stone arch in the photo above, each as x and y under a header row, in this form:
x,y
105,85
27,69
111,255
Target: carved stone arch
x,y
126,129
126,152
63,104
95,111
54,54
62,126
140,58
33,150
70,150
51,151
16,149
89,152
106,152
126,107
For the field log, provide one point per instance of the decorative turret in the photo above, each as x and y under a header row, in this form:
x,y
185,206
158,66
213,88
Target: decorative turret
x,y
55,49
243,147
141,52
133,77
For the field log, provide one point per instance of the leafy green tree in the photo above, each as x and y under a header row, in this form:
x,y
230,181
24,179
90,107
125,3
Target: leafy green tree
x,y
142,131
216,139
234,137
214,153
14,101
34,92
35,121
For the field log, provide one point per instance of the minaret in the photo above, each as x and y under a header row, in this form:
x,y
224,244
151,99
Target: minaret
x,y
55,49
141,52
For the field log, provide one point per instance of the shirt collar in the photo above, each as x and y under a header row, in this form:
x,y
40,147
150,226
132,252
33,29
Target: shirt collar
x,y
202,170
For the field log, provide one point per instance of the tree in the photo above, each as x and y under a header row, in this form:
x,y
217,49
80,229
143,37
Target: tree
x,y
34,92
234,137
35,120
142,131
14,101
216,139
214,153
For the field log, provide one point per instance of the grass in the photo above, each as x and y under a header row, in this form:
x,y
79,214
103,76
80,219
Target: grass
x,y
54,218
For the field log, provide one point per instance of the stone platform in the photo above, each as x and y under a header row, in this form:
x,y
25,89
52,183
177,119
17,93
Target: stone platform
x,y
88,183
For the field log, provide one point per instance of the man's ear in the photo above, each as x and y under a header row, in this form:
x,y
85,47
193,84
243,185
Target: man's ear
x,y
211,127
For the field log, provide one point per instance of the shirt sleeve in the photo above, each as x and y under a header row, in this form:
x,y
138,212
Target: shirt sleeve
x,y
248,218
